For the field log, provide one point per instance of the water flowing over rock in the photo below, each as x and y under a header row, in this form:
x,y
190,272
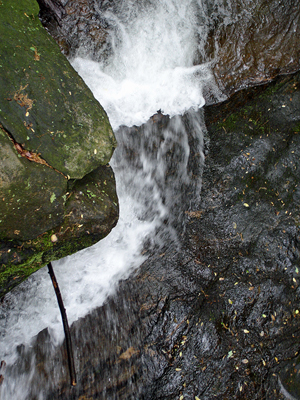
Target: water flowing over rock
x,y
247,42
52,132
205,304
215,314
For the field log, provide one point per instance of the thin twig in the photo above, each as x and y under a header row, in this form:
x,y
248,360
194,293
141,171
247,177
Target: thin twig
x,y
66,326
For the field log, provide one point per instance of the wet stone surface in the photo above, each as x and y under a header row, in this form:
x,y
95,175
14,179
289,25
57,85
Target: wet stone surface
x,y
218,314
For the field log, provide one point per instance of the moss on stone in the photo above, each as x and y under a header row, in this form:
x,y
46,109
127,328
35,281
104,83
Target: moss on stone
x,y
33,255
52,131
44,104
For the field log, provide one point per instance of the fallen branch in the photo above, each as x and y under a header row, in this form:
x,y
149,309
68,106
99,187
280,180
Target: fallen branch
x,y
66,326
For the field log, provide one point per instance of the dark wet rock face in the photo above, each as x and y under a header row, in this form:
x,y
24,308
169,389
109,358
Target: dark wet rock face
x,y
257,43
75,25
216,316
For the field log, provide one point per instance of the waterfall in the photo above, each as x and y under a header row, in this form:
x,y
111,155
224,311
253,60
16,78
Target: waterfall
x,y
151,67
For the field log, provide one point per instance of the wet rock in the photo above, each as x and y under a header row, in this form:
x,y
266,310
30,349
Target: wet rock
x,y
31,195
289,379
86,214
77,26
253,42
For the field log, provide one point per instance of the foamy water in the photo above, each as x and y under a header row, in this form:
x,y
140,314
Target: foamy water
x,y
151,68
152,64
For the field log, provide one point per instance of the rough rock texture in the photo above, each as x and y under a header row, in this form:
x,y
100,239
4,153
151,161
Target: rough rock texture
x,y
218,316
76,24
52,132
254,41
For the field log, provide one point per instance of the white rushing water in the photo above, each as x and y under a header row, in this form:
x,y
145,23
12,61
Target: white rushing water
x,y
150,68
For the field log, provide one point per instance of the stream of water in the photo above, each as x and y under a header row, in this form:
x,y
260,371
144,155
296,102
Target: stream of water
x,y
151,67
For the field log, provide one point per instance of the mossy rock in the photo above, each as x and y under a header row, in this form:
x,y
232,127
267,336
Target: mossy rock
x,y
31,195
90,212
55,144
44,104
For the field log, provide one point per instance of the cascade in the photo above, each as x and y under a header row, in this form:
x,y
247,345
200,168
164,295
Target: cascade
x,y
151,67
